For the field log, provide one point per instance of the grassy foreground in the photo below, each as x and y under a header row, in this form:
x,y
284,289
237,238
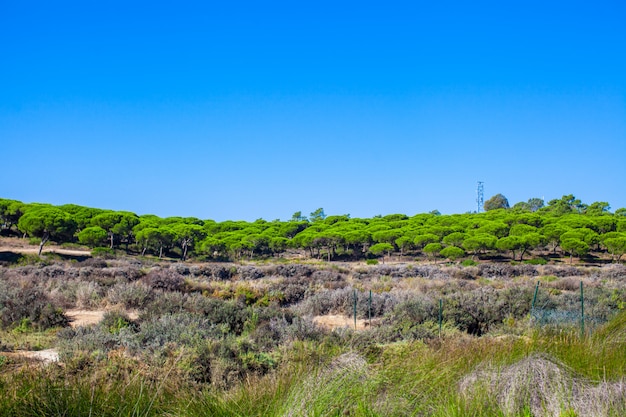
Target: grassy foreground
x,y
458,375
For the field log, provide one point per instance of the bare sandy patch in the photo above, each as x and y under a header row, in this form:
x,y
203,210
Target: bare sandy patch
x,y
332,322
45,356
80,318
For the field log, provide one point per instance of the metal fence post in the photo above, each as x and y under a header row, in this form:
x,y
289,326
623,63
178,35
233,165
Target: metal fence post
x,y
440,315
354,309
369,308
582,311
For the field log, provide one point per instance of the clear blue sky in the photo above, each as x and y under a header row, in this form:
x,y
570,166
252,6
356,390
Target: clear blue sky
x,y
237,110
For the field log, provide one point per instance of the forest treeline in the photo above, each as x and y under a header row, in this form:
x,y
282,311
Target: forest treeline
x,y
562,227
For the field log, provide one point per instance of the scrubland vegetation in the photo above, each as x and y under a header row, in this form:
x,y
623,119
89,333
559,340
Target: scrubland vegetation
x,y
239,339
235,329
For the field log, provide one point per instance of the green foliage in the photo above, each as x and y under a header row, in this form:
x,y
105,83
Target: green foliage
x,y
371,261
452,252
47,223
616,246
335,237
317,215
380,248
536,261
575,246
432,249
92,236
498,201
102,252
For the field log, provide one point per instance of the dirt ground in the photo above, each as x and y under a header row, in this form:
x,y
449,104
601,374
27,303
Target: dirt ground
x,y
77,318
44,356
80,318
333,322
16,245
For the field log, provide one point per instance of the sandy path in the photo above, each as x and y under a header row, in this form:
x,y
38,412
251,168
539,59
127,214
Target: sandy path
x,y
12,244
34,250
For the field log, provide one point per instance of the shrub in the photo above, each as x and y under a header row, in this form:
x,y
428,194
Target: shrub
x,y
165,303
536,261
477,311
130,295
88,294
19,301
105,253
469,262
94,341
371,261
156,335
115,321
164,279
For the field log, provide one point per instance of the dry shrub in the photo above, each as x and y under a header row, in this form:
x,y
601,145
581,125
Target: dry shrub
x,y
466,273
24,302
497,270
614,271
291,270
562,271
130,295
164,279
545,387
250,273
566,284
88,294
96,263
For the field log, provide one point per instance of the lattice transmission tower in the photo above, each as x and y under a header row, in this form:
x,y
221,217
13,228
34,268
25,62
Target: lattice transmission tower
x,y
480,197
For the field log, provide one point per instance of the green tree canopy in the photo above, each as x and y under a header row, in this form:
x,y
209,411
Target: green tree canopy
x,y
47,223
498,201
93,236
452,252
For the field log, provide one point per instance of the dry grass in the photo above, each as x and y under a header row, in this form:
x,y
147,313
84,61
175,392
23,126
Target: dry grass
x,y
546,388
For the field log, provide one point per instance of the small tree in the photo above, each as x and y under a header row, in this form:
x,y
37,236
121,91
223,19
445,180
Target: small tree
x,y
92,236
479,243
380,249
186,235
616,247
432,249
498,201
47,223
574,247
452,252
317,215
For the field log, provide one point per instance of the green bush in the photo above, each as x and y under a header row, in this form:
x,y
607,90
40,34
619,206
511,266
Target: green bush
x,y
536,261
469,262
101,252
371,261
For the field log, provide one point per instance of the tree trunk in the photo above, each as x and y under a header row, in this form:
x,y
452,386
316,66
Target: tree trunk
x,y
44,239
111,246
185,245
160,251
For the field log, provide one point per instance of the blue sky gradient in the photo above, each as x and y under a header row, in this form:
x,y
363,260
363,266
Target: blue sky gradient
x,y
237,110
